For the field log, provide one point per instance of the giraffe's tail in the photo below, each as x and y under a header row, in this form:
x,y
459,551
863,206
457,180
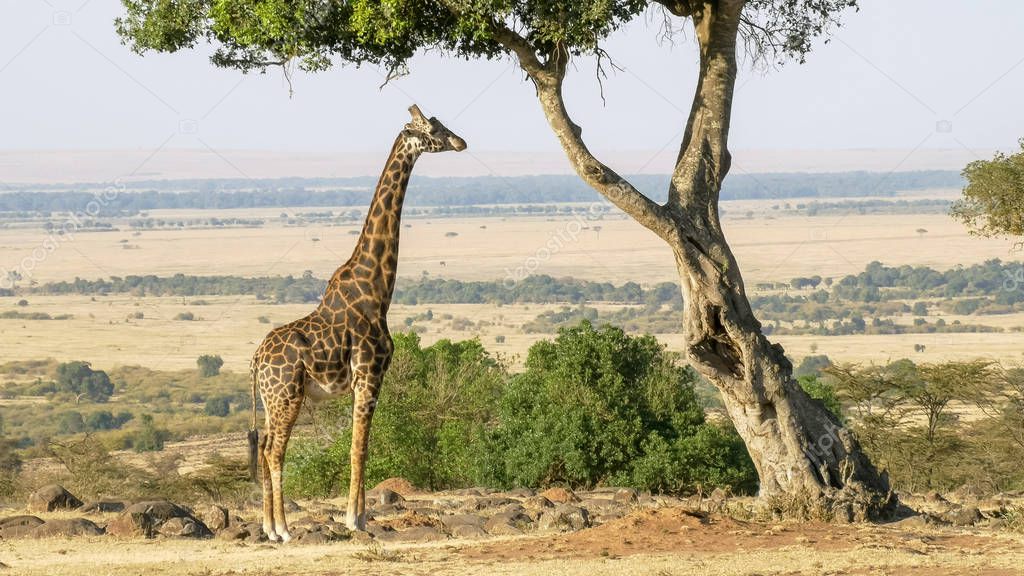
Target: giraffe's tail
x,y
254,440
254,435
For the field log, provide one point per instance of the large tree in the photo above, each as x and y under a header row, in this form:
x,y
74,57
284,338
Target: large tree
x,y
993,199
801,451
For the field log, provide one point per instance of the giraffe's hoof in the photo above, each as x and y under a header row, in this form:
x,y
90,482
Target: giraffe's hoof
x,y
271,535
285,537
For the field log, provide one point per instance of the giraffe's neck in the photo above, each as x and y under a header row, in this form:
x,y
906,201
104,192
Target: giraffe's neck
x,y
376,252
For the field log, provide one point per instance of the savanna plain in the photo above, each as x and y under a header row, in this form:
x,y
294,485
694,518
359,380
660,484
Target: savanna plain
x,y
167,418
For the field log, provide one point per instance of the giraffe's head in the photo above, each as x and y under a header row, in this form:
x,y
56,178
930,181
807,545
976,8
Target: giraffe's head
x,y
430,134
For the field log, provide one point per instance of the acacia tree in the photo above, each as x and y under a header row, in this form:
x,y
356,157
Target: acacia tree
x,y
993,200
798,447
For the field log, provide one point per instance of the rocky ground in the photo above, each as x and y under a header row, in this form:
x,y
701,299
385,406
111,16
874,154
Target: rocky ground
x,y
480,531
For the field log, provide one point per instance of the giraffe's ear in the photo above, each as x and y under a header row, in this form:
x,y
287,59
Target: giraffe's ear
x,y
414,110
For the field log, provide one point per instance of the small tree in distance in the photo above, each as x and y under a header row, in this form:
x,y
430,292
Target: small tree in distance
x,y
219,406
209,365
80,379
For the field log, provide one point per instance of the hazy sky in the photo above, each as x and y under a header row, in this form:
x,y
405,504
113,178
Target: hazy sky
x,y
891,73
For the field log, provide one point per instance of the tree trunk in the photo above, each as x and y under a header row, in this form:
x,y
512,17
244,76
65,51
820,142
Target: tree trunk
x,y
807,462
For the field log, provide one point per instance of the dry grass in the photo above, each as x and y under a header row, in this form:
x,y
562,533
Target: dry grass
x,y
767,248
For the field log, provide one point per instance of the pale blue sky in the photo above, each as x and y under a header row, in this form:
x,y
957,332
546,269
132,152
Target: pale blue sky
x,y
892,72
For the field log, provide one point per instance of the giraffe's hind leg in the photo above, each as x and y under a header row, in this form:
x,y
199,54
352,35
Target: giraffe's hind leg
x,y
283,415
268,489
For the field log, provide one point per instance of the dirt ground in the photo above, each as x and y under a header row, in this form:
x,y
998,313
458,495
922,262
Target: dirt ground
x,y
661,542
651,536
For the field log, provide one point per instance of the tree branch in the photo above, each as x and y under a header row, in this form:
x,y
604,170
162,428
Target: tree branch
x,y
548,77
704,157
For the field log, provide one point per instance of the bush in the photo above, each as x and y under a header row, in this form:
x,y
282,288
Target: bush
x,y
209,365
812,365
594,407
820,390
597,406
149,438
80,379
219,406
70,423
185,316
433,410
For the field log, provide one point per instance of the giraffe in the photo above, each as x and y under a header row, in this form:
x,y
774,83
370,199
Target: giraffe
x,y
344,345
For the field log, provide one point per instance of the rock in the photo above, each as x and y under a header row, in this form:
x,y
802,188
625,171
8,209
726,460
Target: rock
x,y
400,485
967,516
467,492
996,523
291,506
446,503
538,502
521,493
306,537
468,531
602,517
507,523
248,531
233,533
52,497
935,498
216,517
417,534
66,527
560,495
598,504
18,526
382,510
917,521
625,496
144,519
564,518
99,506
455,520
159,510
385,497
378,531
132,525
184,528
486,502
321,533
360,537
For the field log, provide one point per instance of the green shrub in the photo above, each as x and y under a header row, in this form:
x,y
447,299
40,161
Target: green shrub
x,y
219,406
594,407
434,407
80,379
597,406
821,390
209,365
149,438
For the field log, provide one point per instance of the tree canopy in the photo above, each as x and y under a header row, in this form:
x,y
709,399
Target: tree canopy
x,y
993,200
315,34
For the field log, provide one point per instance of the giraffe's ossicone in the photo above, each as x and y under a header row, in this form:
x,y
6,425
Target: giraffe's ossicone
x,y
344,345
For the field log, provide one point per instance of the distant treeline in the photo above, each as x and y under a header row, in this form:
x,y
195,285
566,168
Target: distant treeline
x,y
1002,282
425,191
540,289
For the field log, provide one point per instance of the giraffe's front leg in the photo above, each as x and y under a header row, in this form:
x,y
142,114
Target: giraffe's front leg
x,y
362,413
